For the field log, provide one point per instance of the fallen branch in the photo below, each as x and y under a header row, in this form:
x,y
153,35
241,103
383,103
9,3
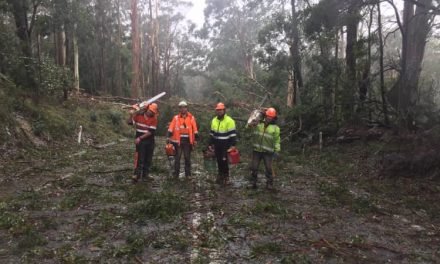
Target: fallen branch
x,y
138,260
103,146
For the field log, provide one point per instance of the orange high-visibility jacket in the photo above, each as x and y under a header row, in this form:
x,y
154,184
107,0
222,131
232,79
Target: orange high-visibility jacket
x,y
183,127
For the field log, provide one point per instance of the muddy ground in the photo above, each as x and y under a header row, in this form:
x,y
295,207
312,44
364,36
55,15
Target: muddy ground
x,y
76,204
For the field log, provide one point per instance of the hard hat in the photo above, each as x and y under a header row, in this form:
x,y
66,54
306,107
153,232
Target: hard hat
x,y
153,108
183,103
220,106
271,112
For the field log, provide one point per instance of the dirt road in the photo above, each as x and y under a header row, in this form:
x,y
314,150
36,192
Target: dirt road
x,y
78,205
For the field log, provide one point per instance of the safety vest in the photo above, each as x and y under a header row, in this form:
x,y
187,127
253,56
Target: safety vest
x,y
144,124
223,130
181,127
266,139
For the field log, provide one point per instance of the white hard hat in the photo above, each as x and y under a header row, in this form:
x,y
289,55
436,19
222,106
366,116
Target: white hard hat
x,y
183,103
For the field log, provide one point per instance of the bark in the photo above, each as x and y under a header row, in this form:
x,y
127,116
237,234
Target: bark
x,y
249,65
135,50
290,90
20,9
381,66
350,60
295,53
118,76
337,70
154,47
61,47
75,61
364,84
167,59
327,71
415,29
102,44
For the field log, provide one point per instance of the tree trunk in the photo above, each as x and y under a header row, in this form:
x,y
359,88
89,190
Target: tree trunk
x,y
75,61
154,46
381,67
337,71
118,76
350,60
416,27
364,84
249,65
327,71
135,50
294,51
61,43
20,10
290,89
167,59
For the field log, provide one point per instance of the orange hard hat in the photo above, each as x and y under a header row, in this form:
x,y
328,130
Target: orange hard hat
x,y
170,150
220,106
153,108
271,112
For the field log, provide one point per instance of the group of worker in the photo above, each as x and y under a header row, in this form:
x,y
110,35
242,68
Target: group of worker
x,y
183,135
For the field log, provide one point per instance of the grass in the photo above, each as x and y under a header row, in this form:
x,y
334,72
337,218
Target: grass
x,y
266,248
29,240
77,197
335,195
296,259
269,208
135,244
164,206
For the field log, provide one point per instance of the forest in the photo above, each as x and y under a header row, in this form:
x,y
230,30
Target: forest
x,y
355,85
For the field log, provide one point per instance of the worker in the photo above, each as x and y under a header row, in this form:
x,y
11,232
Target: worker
x,y
183,134
266,146
223,138
145,122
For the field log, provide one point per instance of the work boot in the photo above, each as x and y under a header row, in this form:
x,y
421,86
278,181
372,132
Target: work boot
x,y
227,182
134,179
218,179
146,178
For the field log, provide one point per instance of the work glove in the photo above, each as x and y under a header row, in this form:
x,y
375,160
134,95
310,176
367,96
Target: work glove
x,y
137,140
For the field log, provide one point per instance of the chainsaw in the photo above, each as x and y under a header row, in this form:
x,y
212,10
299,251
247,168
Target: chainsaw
x,y
136,108
257,115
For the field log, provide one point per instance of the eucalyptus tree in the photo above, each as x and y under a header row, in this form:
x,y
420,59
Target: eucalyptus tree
x,y
415,27
25,13
232,27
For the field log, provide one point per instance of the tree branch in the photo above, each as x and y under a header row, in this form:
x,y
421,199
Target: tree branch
x,y
399,23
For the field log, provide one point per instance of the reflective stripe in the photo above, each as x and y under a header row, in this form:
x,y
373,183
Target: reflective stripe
x,y
185,136
143,126
269,136
258,146
142,131
222,137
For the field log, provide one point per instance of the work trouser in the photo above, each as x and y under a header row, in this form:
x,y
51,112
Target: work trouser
x,y
221,154
256,158
144,152
185,148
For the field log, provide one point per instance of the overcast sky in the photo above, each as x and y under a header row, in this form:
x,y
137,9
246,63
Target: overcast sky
x,y
196,12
